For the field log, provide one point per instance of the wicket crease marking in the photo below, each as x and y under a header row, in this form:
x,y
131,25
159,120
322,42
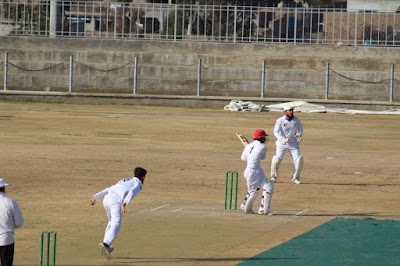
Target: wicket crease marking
x,y
159,207
177,210
301,212
354,213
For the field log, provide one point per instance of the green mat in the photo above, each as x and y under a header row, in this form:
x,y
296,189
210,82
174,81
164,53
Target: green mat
x,y
338,242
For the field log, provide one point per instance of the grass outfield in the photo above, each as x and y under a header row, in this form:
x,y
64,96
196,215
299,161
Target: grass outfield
x,y
55,156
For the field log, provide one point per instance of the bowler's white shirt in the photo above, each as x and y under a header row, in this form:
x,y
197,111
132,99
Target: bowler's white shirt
x,y
10,218
123,191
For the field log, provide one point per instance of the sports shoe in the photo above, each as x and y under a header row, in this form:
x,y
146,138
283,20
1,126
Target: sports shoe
x,y
261,211
242,207
111,249
296,181
106,250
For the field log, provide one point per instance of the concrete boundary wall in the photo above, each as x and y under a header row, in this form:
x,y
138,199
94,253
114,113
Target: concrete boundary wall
x,y
212,54
108,53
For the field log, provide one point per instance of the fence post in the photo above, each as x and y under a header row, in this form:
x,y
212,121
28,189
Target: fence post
x,y
198,76
115,23
263,79
295,26
234,25
327,81
53,18
391,83
175,23
5,70
70,73
135,76
355,31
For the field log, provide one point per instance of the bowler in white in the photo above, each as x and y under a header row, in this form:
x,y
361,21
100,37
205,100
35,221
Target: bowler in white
x,y
116,198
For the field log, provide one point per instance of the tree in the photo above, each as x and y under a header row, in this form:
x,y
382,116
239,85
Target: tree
x,y
234,2
317,3
236,21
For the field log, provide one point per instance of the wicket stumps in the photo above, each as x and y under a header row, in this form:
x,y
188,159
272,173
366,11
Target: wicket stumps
x,y
231,181
45,243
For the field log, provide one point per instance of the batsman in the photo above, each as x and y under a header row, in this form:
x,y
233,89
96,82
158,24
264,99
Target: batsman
x,y
253,153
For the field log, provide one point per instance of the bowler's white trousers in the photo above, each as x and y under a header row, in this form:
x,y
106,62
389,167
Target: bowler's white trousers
x,y
113,210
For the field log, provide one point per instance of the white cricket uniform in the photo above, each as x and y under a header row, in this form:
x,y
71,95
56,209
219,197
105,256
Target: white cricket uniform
x,y
253,153
288,130
10,218
122,192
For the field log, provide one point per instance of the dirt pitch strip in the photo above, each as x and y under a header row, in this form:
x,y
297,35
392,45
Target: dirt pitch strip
x,y
55,156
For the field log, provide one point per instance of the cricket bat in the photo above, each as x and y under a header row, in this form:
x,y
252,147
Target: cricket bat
x,y
242,139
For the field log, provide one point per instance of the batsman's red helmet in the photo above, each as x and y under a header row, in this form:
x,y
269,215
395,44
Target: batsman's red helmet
x,y
259,133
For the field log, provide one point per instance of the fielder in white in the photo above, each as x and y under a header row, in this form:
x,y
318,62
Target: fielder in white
x,y
10,218
253,153
289,133
116,198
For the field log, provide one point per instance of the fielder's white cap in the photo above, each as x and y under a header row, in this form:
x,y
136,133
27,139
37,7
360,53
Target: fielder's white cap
x,y
3,183
288,107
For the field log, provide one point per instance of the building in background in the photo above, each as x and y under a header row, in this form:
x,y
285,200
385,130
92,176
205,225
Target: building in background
x,y
339,3
373,6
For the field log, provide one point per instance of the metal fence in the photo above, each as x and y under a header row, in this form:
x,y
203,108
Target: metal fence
x,y
153,78
211,23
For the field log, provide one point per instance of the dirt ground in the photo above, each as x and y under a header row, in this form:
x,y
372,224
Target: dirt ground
x,y
55,156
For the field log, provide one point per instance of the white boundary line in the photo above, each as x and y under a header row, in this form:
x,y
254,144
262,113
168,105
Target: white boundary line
x,y
159,207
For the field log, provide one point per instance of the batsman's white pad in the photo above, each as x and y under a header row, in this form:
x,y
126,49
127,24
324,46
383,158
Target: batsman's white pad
x,y
243,205
250,201
267,197
298,166
275,164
